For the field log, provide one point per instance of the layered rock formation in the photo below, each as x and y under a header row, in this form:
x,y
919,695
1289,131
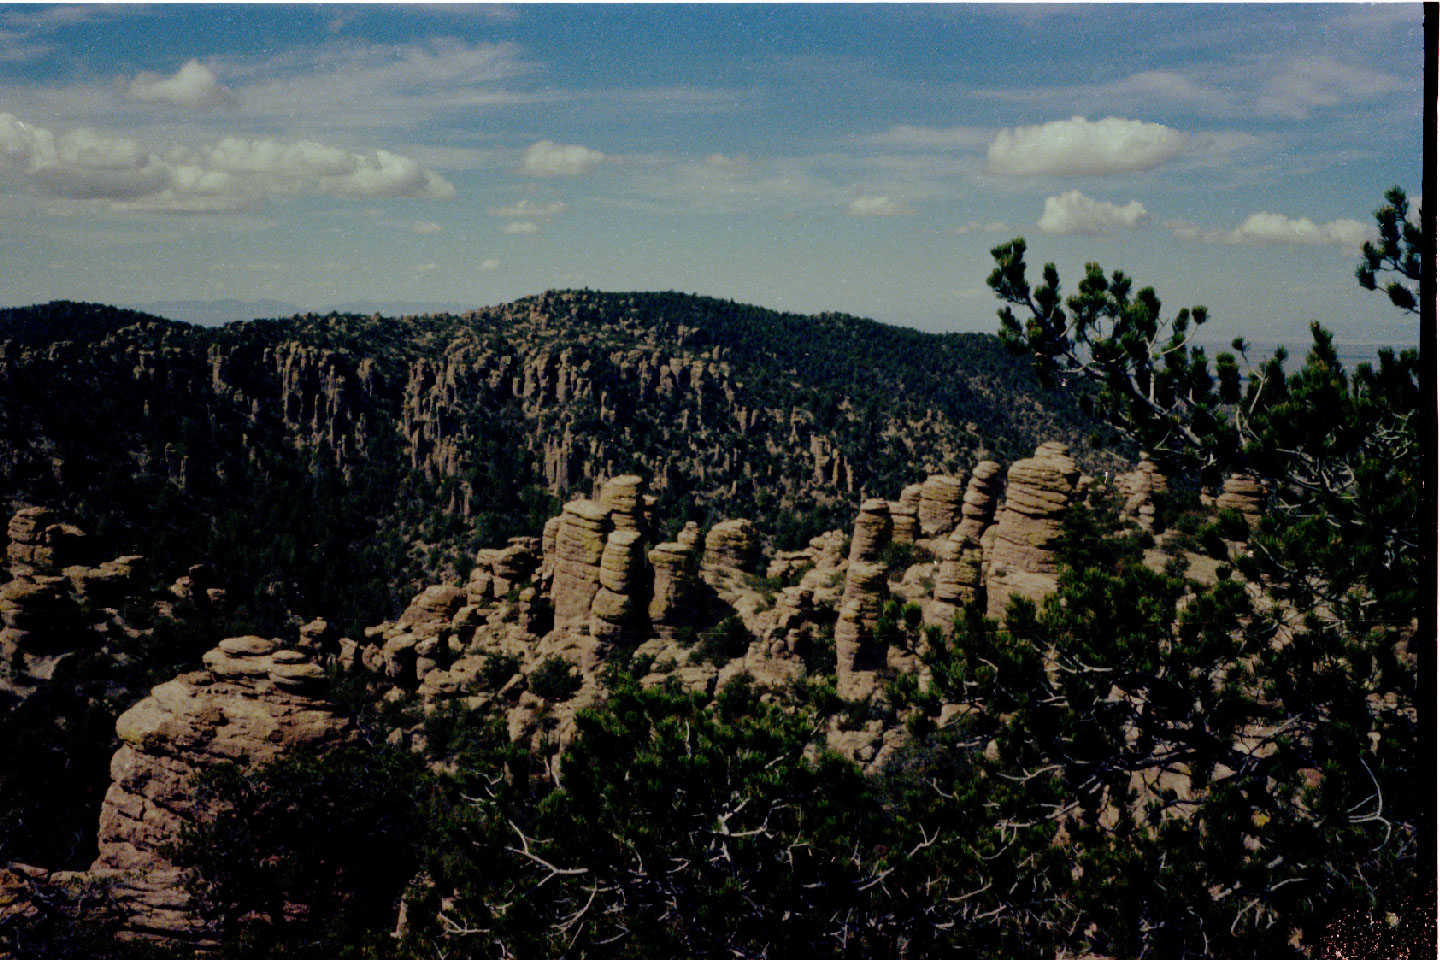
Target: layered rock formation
x,y
731,546
253,701
1020,557
1244,494
977,512
860,605
939,508
1139,489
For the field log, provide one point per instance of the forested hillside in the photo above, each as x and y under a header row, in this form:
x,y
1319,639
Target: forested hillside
x,y
327,465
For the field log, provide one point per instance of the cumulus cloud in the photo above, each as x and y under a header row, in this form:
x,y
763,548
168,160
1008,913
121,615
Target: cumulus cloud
x,y
1073,212
521,227
981,226
194,86
550,159
1081,147
424,227
489,265
1277,229
84,164
878,207
528,208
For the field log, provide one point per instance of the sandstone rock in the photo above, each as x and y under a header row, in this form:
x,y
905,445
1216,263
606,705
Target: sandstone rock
x,y
624,498
958,578
856,658
904,523
39,545
939,508
1139,488
674,582
1021,559
1243,493
977,510
436,604
731,545
184,726
579,545
872,531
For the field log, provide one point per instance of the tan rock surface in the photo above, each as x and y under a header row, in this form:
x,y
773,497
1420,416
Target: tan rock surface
x,y
939,510
1021,557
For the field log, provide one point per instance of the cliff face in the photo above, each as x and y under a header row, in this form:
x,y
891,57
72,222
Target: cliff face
x,y
416,432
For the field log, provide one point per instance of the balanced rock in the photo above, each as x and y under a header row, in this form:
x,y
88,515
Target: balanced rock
x,y
731,545
904,523
958,579
872,531
856,660
184,726
939,509
674,583
977,510
579,545
436,604
621,567
39,545
1244,494
624,498
1021,559
1139,488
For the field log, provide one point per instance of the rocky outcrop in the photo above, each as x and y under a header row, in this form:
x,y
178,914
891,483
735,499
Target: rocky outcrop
x,y
904,523
623,498
856,655
253,701
958,578
1020,559
618,603
977,511
1243,493
1139,488
939,508
873,528
579,545
40,545
499,571
673,585
731,546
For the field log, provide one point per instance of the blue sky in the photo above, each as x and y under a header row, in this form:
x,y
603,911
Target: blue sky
x,y
810,157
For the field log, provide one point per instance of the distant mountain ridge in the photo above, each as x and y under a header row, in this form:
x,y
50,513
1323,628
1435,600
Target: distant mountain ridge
x,y
214,313
335,462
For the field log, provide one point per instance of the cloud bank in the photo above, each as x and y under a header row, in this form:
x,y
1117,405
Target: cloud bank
x,y
550,159
1074,213
193,86
1081,147
237,172
1263,228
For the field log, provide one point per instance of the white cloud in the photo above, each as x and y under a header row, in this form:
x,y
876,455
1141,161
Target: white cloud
x,y
980,226
550,159
521,227
878,207
424,267
1073,212
237,172
424,227
528,208
490,265
1080,147
1276,228
194,85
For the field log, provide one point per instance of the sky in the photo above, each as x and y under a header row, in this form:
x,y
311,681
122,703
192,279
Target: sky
x,y
852,158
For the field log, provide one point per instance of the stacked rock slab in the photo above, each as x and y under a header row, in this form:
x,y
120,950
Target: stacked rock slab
x,y
579,545
977,511
253,702
623,497
958,579
865,590
1139,488
613,609
38,544
939,508
1243,493
674,584
497,572
1021,556
403,651
730,546
904,523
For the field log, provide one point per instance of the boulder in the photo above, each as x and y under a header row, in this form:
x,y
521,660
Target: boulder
x,y
731,545
939,508
1021,559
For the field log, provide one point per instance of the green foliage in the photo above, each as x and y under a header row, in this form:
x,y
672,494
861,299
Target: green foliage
x,y
556,680
722,643
339,834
